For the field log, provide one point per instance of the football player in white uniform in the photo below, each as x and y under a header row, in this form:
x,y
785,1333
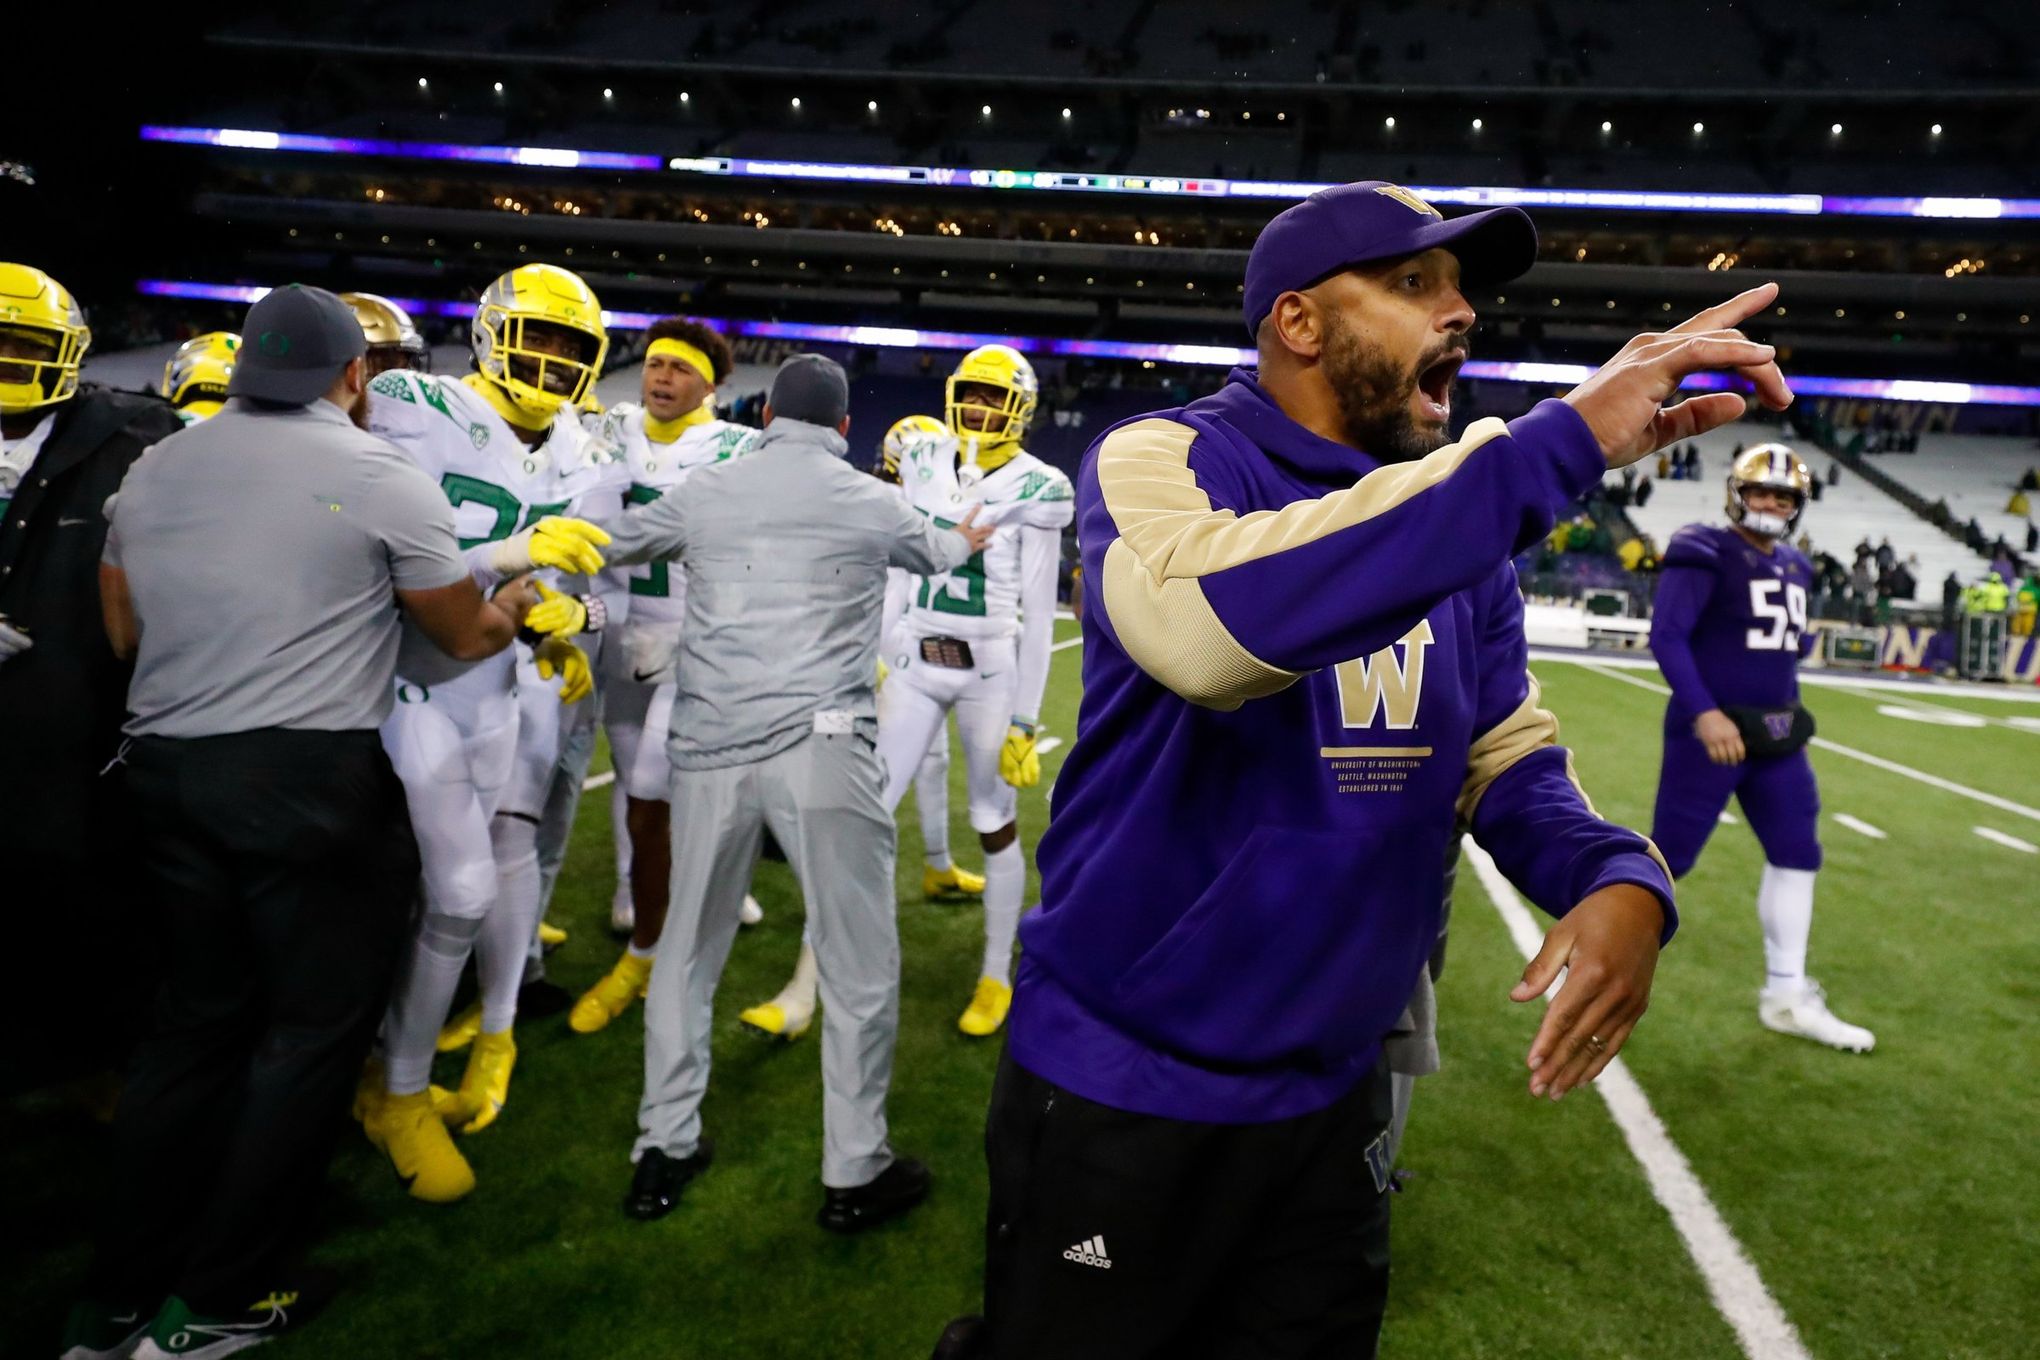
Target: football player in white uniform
x,y
476,749
661,441
196,376
976,641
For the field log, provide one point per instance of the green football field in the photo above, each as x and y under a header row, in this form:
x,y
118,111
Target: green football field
x,y
1873,1206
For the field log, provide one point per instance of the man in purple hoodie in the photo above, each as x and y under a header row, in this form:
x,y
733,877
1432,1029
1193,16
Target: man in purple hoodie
x,y
1304,672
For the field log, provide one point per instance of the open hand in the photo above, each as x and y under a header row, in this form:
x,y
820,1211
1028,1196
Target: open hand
x,y
977,535
1722,738
1608,947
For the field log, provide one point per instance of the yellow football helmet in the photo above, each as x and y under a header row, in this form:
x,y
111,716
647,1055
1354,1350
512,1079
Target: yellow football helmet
x,y
1769,465
36,309
539,382
1005,369
393,340
905,431
195,379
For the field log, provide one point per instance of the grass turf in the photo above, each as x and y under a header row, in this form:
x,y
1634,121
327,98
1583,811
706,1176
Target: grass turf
x,y
1886,1200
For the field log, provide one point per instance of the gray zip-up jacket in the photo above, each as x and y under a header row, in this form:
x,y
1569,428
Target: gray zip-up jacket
x,y
785,551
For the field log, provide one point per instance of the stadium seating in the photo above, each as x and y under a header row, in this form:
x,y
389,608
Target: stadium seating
x,y
1974,473
1844,516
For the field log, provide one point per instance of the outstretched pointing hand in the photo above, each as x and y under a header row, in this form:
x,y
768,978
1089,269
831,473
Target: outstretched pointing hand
x,y
1623,404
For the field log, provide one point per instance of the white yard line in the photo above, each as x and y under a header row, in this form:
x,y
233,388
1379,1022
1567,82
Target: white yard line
x,y
1878,762
1068,642
1047,744
2002,839
1859,826
1944,689
597,781
1725,818
1732,1280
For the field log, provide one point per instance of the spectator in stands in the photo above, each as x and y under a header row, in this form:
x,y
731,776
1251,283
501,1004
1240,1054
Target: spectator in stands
x,y
1664,464
1887,558
2032,535
1643,494
1972,535
2001,565
1813,485
1834,477
2025,606
1806,543
2031,481
1951,600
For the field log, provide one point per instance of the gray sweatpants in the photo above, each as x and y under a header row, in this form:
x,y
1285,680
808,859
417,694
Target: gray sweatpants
x,y
823,800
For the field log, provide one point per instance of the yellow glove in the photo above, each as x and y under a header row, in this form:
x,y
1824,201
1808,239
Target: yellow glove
x,y
556,614
557,656
883,671
569,544
1018,763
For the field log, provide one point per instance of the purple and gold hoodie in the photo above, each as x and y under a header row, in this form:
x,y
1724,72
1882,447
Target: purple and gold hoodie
x,y
1303,670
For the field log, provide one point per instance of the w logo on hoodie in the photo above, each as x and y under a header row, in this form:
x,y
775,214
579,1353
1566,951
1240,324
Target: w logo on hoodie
x,y
1384,681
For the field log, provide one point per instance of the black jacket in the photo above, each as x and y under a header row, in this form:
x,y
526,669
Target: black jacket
x,y
64,699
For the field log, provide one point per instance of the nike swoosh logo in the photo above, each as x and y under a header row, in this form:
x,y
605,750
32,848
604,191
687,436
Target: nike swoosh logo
x,y
642,678
65,522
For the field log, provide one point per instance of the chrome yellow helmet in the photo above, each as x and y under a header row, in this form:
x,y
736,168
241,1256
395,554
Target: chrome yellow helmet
x,y
195,379
393,339
906,431
39,314
536,381
1005,369
1769,465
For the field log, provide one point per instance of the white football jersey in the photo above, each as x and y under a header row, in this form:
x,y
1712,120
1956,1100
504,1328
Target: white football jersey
x,y
658,592
981,598
496,484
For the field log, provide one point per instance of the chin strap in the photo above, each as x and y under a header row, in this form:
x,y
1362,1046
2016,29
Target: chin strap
x,y
990,457
504,406
666,431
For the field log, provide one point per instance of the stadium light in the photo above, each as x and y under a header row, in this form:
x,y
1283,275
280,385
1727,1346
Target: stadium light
x,y
499,87
1388,122
1834,129
1936,129
1066,113
963,178
1476,125
421,82
1699,128
986,110
1222,356
608,93
871,106
796,101
1607,126
683,96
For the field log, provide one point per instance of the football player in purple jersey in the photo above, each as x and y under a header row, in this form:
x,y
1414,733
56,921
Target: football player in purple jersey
x,y
1728,630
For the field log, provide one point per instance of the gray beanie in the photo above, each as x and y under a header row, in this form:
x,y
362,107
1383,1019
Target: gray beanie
x,y
812,388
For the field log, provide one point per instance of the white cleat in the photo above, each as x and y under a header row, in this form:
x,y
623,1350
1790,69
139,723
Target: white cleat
x,y
622,913
1801,1009
751,913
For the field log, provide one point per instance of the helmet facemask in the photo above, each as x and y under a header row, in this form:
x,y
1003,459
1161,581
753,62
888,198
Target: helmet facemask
x,y
39,364
1773,467
523,356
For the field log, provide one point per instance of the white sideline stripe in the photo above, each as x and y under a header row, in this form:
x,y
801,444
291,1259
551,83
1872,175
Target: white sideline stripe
x,y
1726,818
1732,1281
597,781
1858,825
1046,744
1879,762
1076,641
2002,839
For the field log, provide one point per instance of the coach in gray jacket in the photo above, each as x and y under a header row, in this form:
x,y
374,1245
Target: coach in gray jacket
x,y
774,724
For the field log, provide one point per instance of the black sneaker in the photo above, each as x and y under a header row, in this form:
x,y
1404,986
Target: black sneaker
x,y
656,1185
540,998
963,1339
895,1190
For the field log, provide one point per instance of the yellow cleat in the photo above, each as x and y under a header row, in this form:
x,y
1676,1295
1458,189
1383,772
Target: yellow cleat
x,y
770,1019
485,1086
951,882
987,1009
611,996
368,1090
460,1031
550,936
423,1155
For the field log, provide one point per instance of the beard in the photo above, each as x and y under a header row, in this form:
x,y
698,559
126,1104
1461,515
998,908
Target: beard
x,y
357,410
1374,395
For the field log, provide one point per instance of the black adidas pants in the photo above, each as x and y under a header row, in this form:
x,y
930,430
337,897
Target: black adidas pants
x,y
282,867
1123,1235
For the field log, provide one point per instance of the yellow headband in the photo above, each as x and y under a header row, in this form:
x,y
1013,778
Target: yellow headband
x,y
686,354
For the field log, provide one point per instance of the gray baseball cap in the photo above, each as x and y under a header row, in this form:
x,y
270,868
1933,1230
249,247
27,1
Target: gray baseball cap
x,y
810,387
294,344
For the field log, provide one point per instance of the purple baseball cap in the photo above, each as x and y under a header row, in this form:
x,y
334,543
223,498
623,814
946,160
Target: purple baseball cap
x,y
1351,224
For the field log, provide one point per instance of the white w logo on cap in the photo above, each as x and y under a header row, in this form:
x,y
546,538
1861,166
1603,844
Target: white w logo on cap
x,y
1408,200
